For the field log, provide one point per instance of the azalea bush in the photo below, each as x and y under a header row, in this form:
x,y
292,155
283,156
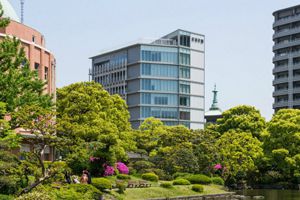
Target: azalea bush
x,y
109,170
122,168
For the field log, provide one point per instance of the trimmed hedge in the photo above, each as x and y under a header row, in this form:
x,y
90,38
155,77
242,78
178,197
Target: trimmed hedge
x,y
198,188
123,177
217,180
102,183
166,185
199,179
150,177
35,195
181,181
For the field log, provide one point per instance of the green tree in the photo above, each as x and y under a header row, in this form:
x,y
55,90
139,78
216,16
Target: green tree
x,y
40,122
238,152
148,137
10,174
242,118
87,113
281,145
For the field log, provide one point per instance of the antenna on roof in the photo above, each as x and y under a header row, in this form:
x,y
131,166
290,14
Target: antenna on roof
x,y
22,10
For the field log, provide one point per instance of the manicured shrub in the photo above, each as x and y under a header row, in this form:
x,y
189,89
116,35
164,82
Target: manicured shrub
x,y
35,195
78,161
123,177
181,175
166,185
199,179
150,177
121,185
181,181
102,183
217,180
142,165
5,197
123,169
198,188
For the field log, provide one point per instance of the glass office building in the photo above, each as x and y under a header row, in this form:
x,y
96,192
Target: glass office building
x,y
162,78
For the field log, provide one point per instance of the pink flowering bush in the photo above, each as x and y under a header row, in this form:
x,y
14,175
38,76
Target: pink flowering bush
x,y
123,169
218,166
109,170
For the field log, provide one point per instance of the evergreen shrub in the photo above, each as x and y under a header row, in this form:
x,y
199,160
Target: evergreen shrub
x,y
102,183
181,181
199,179
217,180
150,177
198,188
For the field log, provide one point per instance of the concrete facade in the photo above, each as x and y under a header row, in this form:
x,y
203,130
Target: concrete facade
x,y
162,78
286,58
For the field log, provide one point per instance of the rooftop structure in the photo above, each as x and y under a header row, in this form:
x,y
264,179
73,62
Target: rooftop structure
x,y
214,112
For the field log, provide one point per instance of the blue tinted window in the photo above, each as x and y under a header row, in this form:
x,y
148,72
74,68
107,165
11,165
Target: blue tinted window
x,y
158,112
160,99
157,56
160,85
185,72
159,70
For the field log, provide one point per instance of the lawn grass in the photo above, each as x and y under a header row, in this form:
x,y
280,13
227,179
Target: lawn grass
x,y
155,192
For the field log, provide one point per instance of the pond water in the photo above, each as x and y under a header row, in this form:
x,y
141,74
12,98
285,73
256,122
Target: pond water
x,y
272,194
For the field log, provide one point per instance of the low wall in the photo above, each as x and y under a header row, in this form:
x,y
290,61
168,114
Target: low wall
x,y
225,196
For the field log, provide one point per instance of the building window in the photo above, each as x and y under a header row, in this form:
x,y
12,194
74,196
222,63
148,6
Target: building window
x,y
157,56
36,66
184,59
185,40
159,70
46,73
184,72
184,87
185,115
160,85
161,100
184,101
33,38
159,112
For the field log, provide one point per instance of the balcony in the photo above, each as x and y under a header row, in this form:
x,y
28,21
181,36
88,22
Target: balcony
x,y
286,44
280,57
286,20
286,32
281,80
280,69
281,104
296,90
296,102
296,78
280,92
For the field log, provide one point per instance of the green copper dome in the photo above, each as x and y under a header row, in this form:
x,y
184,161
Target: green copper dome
x,y
9,10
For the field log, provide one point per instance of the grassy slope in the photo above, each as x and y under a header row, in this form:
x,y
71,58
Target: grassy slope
x,y
154,192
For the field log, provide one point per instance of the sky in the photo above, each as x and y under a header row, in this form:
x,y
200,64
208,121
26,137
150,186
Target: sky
x,y
238,34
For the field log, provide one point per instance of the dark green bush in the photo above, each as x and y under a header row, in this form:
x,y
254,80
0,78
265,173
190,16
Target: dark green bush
x,y
121,185
150,177
217,180
199,179
102,183
78,161
123,177
198,188
181,181
166,185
